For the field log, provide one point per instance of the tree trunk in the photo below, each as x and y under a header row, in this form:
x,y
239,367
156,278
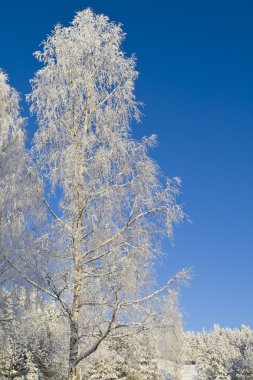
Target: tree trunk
x,y
73,374
77,247
74,322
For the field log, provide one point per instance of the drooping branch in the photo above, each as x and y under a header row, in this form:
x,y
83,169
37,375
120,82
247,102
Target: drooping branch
x,y
54,295
183,275
129,223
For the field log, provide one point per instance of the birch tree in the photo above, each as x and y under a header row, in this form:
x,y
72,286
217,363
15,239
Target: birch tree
x,y
12,155
108,204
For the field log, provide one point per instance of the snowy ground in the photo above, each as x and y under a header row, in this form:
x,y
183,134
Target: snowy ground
x,y
187,372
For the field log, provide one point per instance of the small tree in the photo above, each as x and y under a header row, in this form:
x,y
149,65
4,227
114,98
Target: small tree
x,y
128,358
170,337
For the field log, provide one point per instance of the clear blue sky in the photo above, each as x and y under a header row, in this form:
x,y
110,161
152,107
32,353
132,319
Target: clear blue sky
x,y
195,60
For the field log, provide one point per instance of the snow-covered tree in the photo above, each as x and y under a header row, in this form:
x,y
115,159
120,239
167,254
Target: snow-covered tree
x,y
11,174
169,336
222,353
108,206
131,358
31,337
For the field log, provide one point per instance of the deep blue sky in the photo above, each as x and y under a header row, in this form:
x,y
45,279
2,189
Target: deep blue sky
x,y
195,60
